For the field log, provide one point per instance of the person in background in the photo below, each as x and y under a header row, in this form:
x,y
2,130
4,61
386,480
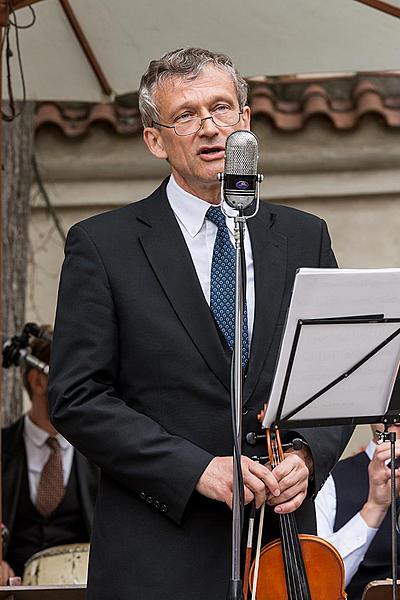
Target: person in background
x,y
49,489
352,513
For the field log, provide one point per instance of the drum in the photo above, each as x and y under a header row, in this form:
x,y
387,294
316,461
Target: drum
x,y
59,565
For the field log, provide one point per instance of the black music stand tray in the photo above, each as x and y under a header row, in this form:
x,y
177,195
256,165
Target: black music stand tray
x,y
40,592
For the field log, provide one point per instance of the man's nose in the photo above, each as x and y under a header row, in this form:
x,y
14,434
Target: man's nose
x,y
208,127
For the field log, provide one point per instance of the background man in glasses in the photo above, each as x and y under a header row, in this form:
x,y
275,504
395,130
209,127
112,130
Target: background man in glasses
x,y
353,513
140,373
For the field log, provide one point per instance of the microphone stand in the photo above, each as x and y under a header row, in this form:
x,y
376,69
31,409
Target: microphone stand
x,y
15,349
235,588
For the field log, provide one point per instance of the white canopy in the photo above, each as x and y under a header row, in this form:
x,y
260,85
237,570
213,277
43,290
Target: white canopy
x,y
269,37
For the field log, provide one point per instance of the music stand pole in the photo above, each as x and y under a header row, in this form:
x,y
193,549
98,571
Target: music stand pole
x,y
390,436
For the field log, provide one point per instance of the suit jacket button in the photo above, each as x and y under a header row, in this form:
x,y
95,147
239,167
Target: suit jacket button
x,y
156,504
142,495
163,508
149,499
245,410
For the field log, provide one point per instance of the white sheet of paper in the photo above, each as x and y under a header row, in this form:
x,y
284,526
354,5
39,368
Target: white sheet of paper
x,y
324,352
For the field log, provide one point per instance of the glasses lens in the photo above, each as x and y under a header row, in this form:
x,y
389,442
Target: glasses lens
x,y
188,127
226,118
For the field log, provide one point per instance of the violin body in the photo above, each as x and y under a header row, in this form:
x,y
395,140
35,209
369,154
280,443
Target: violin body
x,y
296,566
323,565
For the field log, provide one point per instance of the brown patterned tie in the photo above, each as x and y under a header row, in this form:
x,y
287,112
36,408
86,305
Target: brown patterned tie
x,y
51,485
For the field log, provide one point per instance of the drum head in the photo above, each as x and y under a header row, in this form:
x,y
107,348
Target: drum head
x,y
59,565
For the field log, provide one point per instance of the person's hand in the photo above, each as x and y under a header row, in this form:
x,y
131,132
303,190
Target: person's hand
x,y
5,572
216,482
374,510
292,475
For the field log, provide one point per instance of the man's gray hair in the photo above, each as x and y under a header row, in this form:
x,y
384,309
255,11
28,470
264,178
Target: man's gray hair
x,y
186,63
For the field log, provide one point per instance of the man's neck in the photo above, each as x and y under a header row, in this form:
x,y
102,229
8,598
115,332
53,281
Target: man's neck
x,y
40,417
208,191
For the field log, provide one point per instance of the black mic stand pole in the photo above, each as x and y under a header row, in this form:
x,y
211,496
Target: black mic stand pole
x,y
235,590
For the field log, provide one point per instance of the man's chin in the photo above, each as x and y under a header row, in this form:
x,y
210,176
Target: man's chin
x,y
213,168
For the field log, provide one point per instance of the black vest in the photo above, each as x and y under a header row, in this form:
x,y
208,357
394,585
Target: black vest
x,y
32,532
352,486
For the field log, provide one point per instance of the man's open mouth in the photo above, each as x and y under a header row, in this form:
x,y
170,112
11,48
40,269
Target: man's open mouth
x,y
211,151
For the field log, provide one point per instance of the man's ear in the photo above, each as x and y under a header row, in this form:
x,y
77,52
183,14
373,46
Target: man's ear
x,y
154,142
37,381
246,117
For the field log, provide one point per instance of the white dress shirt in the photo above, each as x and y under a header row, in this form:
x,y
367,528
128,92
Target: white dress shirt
x,y
38,452
354,538
200,234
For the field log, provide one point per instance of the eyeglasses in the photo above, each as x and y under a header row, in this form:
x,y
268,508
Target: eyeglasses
x,y
192,124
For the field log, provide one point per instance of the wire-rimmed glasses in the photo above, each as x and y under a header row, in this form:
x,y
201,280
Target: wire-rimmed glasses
x,y
192,124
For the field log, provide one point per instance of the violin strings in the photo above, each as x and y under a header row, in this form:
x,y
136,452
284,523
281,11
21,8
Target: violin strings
x,y
288,552
294,565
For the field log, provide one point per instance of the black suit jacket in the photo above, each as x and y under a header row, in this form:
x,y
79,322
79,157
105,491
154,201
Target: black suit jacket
x,y
144,391
13,463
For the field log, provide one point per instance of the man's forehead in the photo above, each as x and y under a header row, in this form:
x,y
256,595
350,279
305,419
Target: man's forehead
x,y
179,89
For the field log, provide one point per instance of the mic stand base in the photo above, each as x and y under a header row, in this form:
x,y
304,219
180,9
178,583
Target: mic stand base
x,y
235,590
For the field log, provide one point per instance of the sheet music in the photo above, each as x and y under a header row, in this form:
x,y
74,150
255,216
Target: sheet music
x,y
324,352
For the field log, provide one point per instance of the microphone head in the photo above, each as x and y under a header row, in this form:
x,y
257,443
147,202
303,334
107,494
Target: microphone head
x,y
240,172
241,153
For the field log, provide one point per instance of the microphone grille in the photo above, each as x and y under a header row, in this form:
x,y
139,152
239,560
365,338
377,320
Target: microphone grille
x,y
241,153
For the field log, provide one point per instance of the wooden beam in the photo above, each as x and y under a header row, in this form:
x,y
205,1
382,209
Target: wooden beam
x,y
385,7
86,48
4,9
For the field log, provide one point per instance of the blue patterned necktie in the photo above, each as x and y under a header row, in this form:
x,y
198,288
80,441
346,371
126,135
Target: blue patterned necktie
x,y
222,297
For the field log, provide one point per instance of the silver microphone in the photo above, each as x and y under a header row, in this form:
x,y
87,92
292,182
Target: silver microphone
x,y
240,178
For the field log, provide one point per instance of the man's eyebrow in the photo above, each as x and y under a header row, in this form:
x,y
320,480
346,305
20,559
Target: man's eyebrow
x,y
192,105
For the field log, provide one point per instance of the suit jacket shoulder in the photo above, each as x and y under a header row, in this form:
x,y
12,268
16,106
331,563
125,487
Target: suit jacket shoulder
x,y
126,216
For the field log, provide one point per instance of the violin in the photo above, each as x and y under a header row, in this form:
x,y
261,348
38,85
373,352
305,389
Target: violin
x,y
295,566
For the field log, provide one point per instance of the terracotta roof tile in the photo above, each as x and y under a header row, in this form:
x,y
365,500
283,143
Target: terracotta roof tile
x,y
76,121
288,105
314,99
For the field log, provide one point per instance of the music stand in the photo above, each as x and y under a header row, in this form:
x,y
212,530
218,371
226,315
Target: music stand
x,y
340,369
39,592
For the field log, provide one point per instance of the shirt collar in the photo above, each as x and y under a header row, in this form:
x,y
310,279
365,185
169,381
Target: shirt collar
x,y
191,210
38,436
370,449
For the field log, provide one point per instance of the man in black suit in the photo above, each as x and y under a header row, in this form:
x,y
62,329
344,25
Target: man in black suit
x,y
140,372
35,519
353,513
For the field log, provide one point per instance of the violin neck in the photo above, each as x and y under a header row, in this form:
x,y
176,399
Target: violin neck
x,y
295,572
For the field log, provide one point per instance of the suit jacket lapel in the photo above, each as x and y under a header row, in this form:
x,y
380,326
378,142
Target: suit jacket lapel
x,y
270,256
166,250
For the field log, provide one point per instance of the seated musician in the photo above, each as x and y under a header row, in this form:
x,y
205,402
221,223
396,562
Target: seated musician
x,y
49,488
352,513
